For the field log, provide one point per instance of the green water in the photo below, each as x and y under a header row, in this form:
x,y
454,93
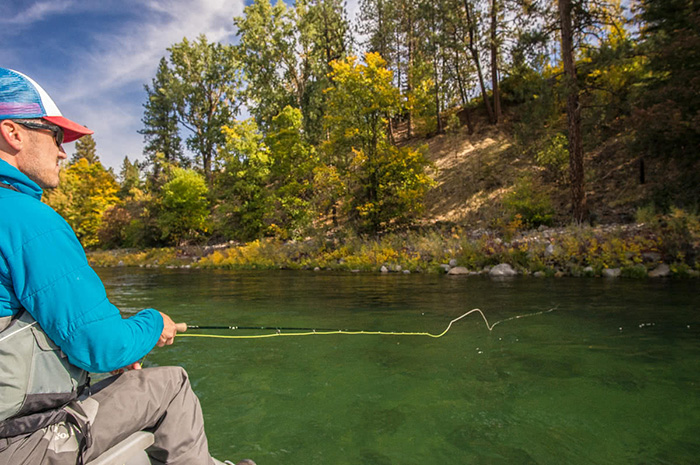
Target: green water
x,y
611,377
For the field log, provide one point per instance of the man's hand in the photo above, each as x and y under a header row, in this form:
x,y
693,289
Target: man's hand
x,y
133,366
170,329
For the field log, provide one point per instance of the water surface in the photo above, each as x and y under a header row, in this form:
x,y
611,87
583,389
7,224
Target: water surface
x,y
611,376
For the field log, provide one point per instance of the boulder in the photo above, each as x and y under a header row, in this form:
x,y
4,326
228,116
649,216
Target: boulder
x,y
661,271
612,272
445,267
458,270
453,263
501,270
539,274
549,250
651,256
384,269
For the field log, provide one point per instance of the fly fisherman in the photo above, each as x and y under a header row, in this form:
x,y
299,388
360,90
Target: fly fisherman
x,y
56,323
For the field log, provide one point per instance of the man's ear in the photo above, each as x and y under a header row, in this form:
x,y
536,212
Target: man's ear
x,y
11,136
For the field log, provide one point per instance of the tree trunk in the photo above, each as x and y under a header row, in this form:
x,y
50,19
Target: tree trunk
x,y
471,26
436,73
494,63
440,128
573,113
464,114
409,72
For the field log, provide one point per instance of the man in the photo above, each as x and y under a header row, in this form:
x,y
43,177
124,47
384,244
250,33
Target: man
x,y
56,323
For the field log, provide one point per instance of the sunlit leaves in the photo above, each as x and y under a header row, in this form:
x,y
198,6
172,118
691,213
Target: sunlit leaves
x,y
86,191
185,208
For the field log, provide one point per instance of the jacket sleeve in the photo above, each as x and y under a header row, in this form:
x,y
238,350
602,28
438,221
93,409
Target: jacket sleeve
x,y
55,284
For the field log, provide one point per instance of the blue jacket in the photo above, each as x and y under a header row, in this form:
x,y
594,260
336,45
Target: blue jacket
x,y
43,269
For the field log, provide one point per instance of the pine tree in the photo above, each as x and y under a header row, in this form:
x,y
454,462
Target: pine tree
x,y
129,177
161,132
86,148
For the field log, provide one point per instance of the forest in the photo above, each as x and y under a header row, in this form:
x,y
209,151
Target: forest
x,y
313,124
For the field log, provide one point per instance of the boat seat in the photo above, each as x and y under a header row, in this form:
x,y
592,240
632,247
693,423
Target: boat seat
x,y
130,451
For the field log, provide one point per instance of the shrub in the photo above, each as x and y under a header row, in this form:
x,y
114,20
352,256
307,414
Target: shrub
x,y
531,202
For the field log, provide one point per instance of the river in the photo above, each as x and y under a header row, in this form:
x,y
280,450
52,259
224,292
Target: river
x,y
611,376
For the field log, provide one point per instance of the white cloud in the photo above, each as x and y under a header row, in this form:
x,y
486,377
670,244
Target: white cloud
x,y
131,54
99,89
37,12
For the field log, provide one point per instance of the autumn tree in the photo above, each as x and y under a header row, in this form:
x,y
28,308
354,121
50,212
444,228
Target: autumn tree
x,y
385,183
86,191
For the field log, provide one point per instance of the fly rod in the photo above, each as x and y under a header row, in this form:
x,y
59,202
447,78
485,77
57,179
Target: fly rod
x,y
302,331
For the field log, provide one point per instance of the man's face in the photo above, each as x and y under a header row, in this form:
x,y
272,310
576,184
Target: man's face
x,y
40,161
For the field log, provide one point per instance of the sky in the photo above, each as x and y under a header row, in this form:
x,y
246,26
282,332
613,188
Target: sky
x,y
94,57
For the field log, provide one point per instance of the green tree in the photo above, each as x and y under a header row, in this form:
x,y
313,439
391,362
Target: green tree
x,y
291,173
285,54
668,113
204,88
246,205
129,177
275,63
384,183
160,131
377,24
184,206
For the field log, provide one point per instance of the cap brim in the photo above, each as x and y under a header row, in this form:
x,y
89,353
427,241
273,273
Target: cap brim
x,y
72,131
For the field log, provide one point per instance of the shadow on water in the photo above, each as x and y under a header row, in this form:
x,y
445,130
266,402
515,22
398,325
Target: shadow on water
x,y
611,376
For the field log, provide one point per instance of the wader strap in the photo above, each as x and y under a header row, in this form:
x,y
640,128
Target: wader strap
x,y
79,420
5,322
7,186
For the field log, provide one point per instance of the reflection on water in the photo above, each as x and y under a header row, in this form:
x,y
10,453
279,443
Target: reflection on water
x,y
612,376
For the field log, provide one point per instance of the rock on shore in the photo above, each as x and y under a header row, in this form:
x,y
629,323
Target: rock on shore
x,y
502,270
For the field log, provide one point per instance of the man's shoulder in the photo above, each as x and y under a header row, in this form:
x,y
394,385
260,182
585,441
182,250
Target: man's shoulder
x,y
21,212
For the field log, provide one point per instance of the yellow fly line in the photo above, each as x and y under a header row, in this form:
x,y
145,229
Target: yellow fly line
x,y
279,333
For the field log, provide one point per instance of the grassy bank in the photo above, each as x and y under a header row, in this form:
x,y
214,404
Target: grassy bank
x,y
634,250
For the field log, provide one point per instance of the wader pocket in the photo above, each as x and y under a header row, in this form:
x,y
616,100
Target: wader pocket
x,y
16,348
35,375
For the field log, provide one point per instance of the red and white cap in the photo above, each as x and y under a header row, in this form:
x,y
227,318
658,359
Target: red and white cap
x,y
22,98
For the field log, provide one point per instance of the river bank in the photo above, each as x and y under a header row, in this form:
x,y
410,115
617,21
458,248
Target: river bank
x,y
635,251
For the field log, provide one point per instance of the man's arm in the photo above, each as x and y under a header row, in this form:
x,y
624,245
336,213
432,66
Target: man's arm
x,y
55,284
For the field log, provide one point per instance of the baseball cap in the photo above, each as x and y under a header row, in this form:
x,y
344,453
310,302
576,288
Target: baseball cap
x,y
21,97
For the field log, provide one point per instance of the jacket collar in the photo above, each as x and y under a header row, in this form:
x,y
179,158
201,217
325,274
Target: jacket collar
x,y
14,177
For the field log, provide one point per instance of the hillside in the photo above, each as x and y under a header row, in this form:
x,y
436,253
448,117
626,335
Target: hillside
x,y
474,172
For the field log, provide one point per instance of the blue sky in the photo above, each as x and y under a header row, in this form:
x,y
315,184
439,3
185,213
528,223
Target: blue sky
x,y
94,56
